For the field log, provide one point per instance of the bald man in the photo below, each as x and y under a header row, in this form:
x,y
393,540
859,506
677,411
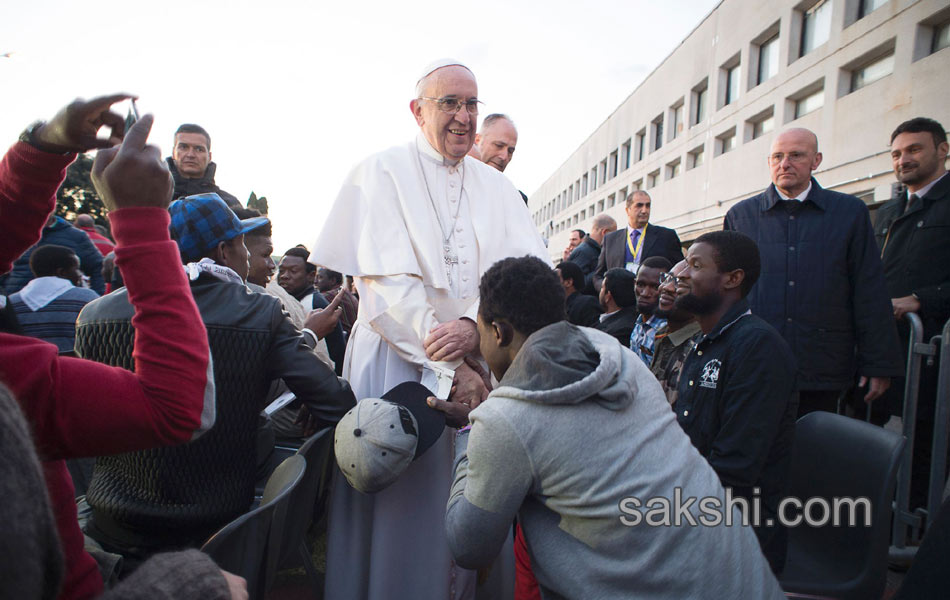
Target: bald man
x,y
496,141
822,285
103,244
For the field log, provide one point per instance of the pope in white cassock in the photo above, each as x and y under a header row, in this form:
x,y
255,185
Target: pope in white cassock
x,y
417,225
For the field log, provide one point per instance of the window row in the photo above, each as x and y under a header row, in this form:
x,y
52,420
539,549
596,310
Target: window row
x,y
813,22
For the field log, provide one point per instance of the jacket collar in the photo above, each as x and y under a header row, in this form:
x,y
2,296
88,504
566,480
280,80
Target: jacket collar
x,y
771,198
738,310
180,179
592,242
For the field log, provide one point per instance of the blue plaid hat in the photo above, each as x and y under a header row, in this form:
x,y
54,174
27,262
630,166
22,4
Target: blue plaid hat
x,y
201,222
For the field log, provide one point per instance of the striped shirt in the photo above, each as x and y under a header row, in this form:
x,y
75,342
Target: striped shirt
x,y
55,322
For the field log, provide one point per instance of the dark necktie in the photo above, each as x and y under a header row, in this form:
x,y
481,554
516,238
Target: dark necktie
x,y
911,203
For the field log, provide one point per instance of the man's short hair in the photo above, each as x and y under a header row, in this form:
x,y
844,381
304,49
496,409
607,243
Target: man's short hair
x,y
249,213
581,232
45,260
602,221
490,120
630,198
192,128
85,220
334,275
622,285
922,125
657,262
524,291
304,254
572,272
735,250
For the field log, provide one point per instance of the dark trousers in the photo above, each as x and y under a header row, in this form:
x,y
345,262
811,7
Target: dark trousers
x,y
813,400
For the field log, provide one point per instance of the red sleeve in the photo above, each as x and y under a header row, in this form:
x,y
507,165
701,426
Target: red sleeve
x,y
82,408
29,179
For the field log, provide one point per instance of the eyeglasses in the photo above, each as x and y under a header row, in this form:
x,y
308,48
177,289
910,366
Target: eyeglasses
x,y
667,277
795,157
453,105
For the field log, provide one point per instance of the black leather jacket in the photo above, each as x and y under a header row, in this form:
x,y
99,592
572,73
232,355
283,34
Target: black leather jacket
x,y
175,496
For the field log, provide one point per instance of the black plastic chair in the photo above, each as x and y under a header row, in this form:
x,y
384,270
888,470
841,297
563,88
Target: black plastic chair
x,y
839,457
305,506
249,545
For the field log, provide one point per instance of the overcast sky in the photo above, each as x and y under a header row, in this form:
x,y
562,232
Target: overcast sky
x,y
295,93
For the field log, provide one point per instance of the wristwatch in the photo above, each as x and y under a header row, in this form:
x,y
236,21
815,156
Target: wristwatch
x,y
29,136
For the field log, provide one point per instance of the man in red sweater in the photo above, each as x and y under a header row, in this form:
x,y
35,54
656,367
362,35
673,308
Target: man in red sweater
x,y
79,408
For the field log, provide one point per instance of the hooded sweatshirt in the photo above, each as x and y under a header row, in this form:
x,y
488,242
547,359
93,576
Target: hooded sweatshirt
x,y
577,425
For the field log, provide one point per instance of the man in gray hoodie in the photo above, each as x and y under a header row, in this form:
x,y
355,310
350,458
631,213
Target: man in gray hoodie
x,y
579,442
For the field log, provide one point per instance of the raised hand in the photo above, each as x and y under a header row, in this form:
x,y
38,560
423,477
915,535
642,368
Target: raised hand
x,y
75,127
134,173
322,321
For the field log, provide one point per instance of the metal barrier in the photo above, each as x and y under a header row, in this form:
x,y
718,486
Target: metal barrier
x,y
904,517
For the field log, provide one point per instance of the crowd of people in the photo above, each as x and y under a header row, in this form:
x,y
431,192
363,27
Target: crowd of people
x,y
565,394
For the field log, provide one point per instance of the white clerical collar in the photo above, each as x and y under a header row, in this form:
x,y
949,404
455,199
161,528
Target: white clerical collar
x,y
923,191
801,197
41,291
426,149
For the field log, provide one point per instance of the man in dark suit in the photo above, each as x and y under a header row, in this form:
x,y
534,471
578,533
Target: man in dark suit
x,y
587,254
618,298
628,247
582,310
912,232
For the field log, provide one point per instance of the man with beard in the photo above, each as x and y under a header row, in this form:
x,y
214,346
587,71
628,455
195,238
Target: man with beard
x,y
675,339
582,309
912,231
618,298
648,295
737,398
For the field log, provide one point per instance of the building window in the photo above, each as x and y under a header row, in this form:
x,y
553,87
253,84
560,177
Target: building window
x,y
593,179
656,134
726,141
695,157
652,179
622,195
676,119
613,164
872,71
641,144
635,186
600,207
584,185
728,82
768,59
603,171
699,100
673,169
611,201
816,26
760,124
941,37
866,7
625,156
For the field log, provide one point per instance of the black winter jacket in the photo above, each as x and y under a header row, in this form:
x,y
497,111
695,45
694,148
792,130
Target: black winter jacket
x,y
822,285
917,254
201,185
168,497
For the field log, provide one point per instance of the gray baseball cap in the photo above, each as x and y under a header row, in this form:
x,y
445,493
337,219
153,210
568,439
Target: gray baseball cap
x,y
377,439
